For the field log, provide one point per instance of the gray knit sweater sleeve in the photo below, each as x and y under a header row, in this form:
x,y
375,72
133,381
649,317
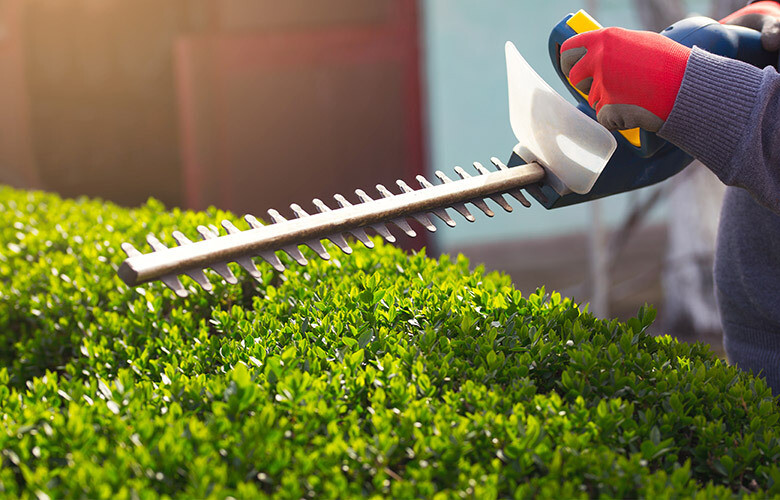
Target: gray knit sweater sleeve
x,y
727,115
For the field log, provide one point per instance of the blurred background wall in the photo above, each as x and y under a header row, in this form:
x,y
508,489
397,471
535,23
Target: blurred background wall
x,y
242,104
253,104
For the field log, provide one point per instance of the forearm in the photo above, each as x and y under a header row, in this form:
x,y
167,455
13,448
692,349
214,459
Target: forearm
x,y
727,115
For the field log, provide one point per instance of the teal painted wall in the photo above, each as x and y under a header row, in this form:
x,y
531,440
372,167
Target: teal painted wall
x,y
466,97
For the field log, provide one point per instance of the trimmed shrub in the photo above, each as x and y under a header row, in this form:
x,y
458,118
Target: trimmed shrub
x,y
375,374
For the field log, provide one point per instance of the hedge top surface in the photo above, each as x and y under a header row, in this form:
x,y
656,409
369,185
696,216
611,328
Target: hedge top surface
x,y
377,374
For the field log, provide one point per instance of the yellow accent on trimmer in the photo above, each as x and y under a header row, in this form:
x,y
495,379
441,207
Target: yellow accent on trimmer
x,y
580,23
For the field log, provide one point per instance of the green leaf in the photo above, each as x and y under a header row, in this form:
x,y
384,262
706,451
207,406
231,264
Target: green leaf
x,y
365,338
674,401
356,357
491,359
655,435
241,376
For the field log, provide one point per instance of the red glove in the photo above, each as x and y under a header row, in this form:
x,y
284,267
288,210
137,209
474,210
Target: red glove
x,y
760,16
631,77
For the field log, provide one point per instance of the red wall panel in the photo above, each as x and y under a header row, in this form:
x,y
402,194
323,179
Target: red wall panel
x,y
284,107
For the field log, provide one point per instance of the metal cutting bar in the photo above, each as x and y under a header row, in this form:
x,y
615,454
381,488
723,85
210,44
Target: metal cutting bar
x,y
141,268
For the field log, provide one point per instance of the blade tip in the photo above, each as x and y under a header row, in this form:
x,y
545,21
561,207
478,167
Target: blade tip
x,y
128,274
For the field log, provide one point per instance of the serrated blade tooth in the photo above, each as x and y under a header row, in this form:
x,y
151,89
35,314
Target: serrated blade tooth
x,y
442,177
480,204
422,218
481,169
291,250
249,266
340,242
313,244
172,282
252,221
364,197
495,197
502,202
276,217
336,239
130,250
343,202
269,257
381,228
425,221
402,223
321,207
230,227
358,233
498,163
518,195
383,232
384,191
361,235
295,253
220,267
404,186
405,227
444,216
223,270
318,249
298,211
156,244
207,233
196,274
462,173
462,210
214,229
200,278
180,238
423,182
273,259
458,207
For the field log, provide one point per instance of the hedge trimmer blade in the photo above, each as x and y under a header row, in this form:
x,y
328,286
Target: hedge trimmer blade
x,y
215,251
557,143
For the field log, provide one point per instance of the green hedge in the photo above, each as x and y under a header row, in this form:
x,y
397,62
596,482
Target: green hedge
x,y
377,374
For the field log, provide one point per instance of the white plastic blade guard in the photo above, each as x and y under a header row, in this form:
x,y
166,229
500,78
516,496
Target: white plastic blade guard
x,y
552,131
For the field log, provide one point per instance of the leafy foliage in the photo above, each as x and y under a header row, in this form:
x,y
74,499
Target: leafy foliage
x,y
377,374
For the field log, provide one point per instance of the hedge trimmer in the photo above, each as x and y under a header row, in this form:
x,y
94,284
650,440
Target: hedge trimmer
x,y
563,157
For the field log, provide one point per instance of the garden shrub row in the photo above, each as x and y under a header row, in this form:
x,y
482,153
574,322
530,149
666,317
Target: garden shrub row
x,y
378,374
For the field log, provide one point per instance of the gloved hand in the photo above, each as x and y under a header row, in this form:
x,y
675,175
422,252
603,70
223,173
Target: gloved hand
x,y
760,16
631,77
